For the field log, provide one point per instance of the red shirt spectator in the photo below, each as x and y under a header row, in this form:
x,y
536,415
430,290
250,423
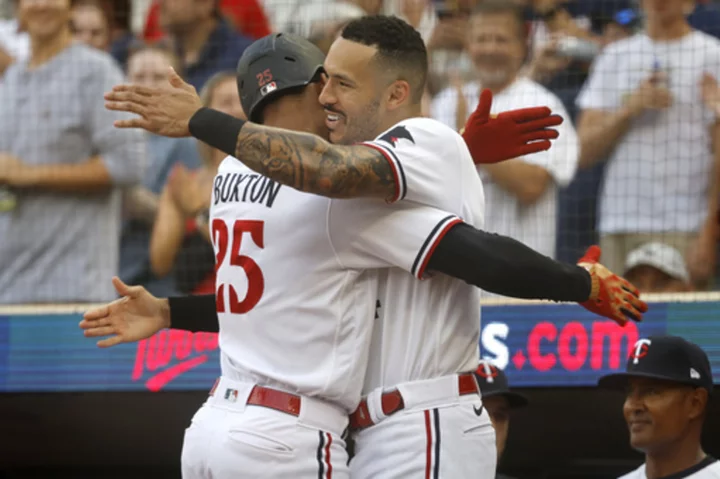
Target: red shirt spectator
x,y
247,15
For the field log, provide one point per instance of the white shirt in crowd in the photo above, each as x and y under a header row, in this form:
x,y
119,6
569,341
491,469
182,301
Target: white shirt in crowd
x,y
533,225
706,469
658,174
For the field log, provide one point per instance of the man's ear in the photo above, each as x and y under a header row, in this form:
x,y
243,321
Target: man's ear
x,y
398,94
698,401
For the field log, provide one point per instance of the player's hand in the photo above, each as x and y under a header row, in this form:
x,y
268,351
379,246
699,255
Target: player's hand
x,y
165,111
510,134
137,315
612,296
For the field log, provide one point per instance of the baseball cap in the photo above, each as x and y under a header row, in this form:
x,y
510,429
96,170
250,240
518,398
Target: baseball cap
x,y
661,256
670,358
493,382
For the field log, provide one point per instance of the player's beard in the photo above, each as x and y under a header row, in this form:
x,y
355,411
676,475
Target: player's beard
x,y
362,127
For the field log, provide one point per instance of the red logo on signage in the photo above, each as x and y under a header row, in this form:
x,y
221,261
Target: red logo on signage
x,y
187,350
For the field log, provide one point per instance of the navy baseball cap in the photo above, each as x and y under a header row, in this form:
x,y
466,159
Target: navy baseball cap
x,y
493,382
670,358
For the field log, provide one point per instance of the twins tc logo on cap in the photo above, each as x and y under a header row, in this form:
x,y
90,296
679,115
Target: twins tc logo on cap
x,y
487,370
640,350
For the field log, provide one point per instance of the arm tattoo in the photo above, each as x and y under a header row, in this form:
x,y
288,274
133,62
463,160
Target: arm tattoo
x,y
308,163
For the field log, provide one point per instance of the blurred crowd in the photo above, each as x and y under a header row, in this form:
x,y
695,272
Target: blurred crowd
x,y
634,170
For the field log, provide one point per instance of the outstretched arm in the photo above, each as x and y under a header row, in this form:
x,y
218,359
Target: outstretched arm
x,y
492,262
303,161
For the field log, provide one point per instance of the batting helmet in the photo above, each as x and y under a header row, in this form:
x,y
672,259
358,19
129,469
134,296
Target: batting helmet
x,y
272,65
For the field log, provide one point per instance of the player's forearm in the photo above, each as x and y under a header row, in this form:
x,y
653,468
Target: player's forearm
x,y
194,313
501,265
88,177
300,160
599,133
523,180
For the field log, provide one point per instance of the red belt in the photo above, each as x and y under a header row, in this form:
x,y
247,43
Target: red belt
x,y
392,402
270,398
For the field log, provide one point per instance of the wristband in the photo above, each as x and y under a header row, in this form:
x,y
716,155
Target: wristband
x,y
193,313
217,129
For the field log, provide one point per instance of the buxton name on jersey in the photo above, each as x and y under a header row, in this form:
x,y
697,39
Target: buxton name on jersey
x,y
245,187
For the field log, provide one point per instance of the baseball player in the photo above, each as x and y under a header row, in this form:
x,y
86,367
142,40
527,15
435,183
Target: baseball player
x,y
417,426
295,320
499,401
668,381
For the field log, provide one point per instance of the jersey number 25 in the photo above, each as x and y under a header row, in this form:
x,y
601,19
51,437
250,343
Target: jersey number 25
x,y
255,279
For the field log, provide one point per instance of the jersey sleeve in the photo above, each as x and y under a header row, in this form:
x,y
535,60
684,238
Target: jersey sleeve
x,y
425,156
370,234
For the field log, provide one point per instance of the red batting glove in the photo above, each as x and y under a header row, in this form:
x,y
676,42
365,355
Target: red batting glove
x,y
611,296
510,134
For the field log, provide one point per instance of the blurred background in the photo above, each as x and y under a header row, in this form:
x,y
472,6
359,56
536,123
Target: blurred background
x,y
635,170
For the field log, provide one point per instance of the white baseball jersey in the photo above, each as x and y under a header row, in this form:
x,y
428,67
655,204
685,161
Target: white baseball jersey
x,y
708,468
295,305
430,328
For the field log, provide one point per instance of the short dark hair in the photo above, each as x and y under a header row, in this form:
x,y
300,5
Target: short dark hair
x,y
503,7
399,46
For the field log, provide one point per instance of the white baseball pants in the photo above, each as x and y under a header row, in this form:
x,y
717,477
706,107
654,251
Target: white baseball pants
x,y
436,436
229,439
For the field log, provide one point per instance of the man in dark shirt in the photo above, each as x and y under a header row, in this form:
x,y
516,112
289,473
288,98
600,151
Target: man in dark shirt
x,y
206,43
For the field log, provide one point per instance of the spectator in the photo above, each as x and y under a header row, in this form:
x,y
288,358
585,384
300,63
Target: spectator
x,y
147,65
90,24
499,402
657,268
642,113
206,42
520,194
578,202
64,159
668,382
247,16
180,238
